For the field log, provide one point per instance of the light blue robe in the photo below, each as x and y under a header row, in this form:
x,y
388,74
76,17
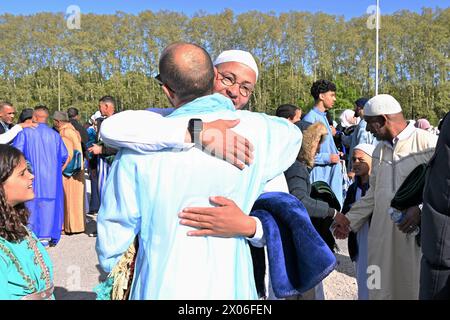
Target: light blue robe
x,y
145,192
323,169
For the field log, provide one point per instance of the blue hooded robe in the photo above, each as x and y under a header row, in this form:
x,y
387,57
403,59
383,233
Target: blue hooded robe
x,y
44,149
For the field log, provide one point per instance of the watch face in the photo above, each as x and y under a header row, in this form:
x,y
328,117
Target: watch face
x,y
195,127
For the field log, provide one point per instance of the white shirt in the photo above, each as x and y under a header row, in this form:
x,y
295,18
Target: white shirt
x,y
9,135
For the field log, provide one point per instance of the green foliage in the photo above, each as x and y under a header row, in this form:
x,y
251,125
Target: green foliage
x,y
118,55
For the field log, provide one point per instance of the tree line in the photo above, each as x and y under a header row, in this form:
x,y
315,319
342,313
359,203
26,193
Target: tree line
x,y
41,59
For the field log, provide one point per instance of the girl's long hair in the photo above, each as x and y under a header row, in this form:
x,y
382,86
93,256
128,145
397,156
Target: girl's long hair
x,y
12,219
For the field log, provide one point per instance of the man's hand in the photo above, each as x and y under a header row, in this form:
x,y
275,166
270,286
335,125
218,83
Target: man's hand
x,y
340,232
410,221
342,220
226,220
95,149
334,158
28,125
219,140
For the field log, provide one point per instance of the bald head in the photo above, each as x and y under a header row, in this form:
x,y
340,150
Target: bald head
x,y
187,70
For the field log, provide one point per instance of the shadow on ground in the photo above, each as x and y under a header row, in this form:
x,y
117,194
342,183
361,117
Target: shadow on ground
x,y
63,294
345,265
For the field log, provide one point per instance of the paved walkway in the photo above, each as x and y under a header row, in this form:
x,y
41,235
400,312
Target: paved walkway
x,y
76,267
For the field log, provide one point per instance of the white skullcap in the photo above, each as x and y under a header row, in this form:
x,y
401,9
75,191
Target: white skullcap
x,y
95,116
366,148
240,56
382,104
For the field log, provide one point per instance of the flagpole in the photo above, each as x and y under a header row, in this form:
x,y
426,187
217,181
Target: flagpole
x,y
376,46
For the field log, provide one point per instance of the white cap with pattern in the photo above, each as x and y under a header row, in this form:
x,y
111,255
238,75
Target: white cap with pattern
x,y
381,104
240,56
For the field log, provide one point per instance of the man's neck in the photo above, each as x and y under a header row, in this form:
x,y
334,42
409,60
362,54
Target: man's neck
x,y
320,107
399,129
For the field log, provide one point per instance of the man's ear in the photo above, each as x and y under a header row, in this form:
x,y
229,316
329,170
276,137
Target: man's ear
x,y
320,96
215,72
168,92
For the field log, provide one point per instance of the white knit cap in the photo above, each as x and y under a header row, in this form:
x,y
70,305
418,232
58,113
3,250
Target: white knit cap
x,y
366,148
381,104
240,56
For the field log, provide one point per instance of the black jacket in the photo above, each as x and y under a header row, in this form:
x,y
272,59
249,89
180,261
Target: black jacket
x,y
350,199
297,177
2,130
83,134
435,222
81,130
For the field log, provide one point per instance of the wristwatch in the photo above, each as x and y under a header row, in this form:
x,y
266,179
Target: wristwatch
x,y
195,126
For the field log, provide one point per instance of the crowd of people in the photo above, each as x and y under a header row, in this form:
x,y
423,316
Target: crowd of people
x,y
222,203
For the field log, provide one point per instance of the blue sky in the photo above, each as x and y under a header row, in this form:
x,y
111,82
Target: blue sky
x,y
348,8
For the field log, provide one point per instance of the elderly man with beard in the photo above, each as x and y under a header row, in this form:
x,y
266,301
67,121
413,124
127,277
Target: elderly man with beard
x,y
393,254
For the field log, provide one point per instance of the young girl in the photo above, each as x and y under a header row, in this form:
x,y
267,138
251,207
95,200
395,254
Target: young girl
x,y
25,268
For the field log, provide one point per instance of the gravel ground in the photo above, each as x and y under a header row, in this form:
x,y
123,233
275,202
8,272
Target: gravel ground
x,y
341,283
76,267
77,271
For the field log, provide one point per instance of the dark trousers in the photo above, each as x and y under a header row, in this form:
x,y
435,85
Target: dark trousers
x,y
435,265
94,203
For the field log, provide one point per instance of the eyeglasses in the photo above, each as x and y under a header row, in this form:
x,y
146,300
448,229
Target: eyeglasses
x,y
161,83
229,80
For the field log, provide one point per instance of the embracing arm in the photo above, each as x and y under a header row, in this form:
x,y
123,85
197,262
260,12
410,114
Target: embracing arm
x,y
226,219
10,135
145,131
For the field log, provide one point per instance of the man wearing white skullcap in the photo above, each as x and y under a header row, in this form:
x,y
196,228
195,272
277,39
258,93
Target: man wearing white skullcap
x,y
390,247
240,56
382,104
237,74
